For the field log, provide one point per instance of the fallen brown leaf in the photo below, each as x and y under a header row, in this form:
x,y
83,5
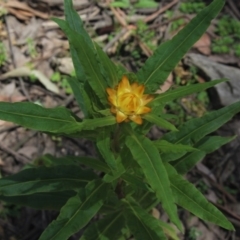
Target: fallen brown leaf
x,y
203,44
21,10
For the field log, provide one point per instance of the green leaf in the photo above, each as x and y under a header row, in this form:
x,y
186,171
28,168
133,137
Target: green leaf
x,y
75,22
147,156
77,212
107,228
87,59
157,68
42,200
103,145
146,4
206,145
90,124
179,92
109,69
188,197
44,179
166,147
141,224
80,95
159,122
194,130
30,115
135,181
49,160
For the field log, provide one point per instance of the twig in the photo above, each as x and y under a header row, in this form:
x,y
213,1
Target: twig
x,y
234,8
14,154
219,187
13,60
161,10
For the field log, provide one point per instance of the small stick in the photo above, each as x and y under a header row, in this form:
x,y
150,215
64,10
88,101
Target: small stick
x,y
13,61
161,10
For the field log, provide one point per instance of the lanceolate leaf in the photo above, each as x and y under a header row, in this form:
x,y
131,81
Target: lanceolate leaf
x,y
159,122
188,197
42,200
75,22
109,69
166,147
104,144
44,179
183,91
90,124
206,145
30,115
147,156
195,129
77,212
141,224
157,68
80,95
96,164
107,228
87,59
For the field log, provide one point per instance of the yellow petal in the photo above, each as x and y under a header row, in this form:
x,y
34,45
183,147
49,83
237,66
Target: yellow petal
x,y
143,110
111,91
113,100
120,117
136,118
134,86
146,99
113,109
123,86
139,90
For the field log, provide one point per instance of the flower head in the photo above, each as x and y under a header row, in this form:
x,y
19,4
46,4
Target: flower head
x,y
128,101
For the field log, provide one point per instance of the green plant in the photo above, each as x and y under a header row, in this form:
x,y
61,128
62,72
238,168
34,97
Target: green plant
x,y
136,173
63,82
138,4
193,234
192,6
3,56
31,48
228,30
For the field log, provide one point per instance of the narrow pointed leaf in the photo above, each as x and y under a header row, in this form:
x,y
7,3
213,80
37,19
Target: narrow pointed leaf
x,y
147,156
87,59
42,200
166,147
141,224
90,124
159,122
77,212
206,145
44,179
108,68
195,129
30,115
179,92
103,145
49,160
107,228
135,181
80,95
75,22
188,197
157,68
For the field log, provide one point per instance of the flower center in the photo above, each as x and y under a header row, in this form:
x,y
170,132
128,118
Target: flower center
x,y
128,103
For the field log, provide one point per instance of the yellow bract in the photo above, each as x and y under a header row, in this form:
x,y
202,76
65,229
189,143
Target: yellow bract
x,y
128,101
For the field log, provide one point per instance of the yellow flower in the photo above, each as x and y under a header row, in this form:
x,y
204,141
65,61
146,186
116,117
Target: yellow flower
x,y
128,101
